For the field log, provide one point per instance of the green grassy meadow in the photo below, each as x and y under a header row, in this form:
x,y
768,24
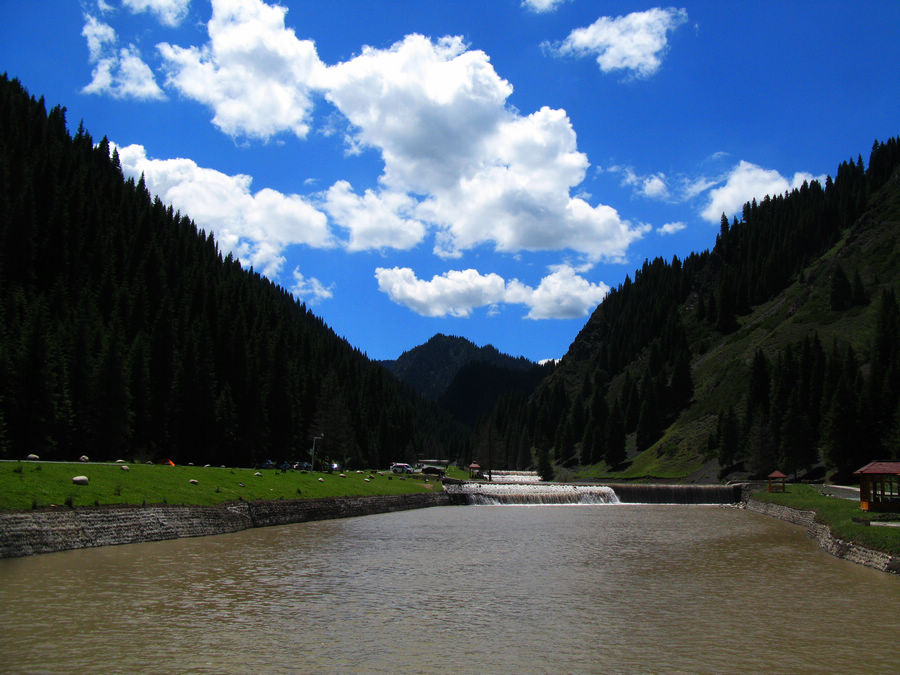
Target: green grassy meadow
x,y
839,515
27,485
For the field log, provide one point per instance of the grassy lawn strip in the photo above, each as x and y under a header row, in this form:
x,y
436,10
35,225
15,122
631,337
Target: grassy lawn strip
x,y
27,485
838,514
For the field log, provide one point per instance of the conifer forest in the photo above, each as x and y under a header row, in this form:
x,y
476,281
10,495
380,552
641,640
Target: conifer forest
x,y
125,332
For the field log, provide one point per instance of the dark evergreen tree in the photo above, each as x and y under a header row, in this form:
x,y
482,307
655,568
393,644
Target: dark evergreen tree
x,y
126,333
841,296
615,437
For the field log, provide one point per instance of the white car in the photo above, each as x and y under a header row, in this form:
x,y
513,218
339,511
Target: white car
x,y
399,467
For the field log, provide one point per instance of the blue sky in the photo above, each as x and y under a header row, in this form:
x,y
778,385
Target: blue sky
x,y
483,169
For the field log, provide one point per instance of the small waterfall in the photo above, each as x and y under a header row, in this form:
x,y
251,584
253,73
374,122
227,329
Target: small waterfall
x,y
532,493
515,476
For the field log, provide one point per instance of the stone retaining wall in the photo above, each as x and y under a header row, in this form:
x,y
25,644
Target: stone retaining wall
x,y
25,533
825,539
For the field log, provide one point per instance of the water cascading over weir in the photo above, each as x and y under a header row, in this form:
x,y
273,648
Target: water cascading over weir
x,y
535,493
519,488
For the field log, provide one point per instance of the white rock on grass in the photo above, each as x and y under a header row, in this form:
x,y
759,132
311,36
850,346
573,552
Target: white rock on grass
x,y
321,480
80,480
83,458
32,457
257,474
193,481
125,467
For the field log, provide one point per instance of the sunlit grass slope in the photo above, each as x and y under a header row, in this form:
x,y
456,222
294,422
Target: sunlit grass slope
x,y
26,485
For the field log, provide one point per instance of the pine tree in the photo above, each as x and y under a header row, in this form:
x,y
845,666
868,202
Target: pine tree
x,y
615,437
841,295
544,466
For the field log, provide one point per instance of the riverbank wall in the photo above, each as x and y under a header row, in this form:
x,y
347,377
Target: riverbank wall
x,y
823,536
24,533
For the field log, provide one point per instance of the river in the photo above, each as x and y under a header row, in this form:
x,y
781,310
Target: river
x,y
466,589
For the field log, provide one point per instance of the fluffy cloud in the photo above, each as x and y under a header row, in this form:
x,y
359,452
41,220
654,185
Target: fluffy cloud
x,y
437,114
671,228
254,73
563,294
255,226
653,186
428,107
374,220
456,293
310,290
634,42
745,182
541,6
120,73
457,160
169,12
435,111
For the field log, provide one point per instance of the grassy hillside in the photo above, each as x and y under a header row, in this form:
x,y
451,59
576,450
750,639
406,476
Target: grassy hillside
x,y
721,364
777,347
26,485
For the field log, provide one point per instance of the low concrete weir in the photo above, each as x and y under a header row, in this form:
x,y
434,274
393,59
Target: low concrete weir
x,y
660,493
494,494
485,492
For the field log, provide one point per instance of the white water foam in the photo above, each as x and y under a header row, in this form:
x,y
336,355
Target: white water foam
x,y
549,493
515,477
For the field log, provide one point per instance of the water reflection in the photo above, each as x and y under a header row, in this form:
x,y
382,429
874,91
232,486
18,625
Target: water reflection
x,y
468,589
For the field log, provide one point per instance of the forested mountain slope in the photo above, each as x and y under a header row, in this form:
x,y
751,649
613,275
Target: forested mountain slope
x,y
431,367
464,379
125,333
777,348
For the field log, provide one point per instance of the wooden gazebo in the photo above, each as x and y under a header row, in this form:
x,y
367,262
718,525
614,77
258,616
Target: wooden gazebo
x,y
474,470
776,481
879,486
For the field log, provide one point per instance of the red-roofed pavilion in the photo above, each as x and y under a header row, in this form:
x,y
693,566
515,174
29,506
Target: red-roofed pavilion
x,y
776,481
879,486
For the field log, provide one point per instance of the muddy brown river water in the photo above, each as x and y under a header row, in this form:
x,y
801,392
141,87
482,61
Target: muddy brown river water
x,y
466,589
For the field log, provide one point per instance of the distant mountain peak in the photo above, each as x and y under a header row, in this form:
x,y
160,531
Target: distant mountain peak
x,y
432,366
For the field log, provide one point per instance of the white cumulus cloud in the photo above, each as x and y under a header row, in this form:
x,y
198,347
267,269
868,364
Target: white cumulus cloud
x,y
671,228
456,157
169,12
562,294
652,186
256,227
437,113
309,289
456,293
634,42
747,181
541,6
254,73
118,72
374,220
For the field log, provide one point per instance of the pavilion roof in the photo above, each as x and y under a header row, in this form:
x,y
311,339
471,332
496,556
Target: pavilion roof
x,y
777,474
880,467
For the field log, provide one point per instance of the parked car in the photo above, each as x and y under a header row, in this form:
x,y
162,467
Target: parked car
x,y
400,467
